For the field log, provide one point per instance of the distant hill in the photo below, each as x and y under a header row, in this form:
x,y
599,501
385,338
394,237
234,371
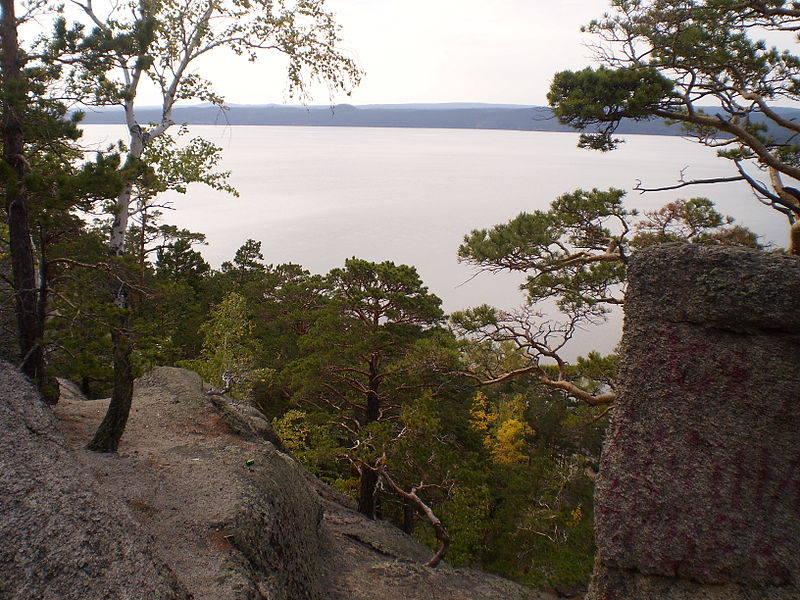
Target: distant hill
x,y
448,116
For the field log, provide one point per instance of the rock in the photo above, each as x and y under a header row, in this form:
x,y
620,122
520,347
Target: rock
x,y
698,494
246,420
69,390
236,518
62,540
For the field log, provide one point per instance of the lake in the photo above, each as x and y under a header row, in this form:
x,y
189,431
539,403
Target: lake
x,y
319,195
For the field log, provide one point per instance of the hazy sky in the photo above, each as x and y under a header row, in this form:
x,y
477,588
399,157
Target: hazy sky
x,y
503,51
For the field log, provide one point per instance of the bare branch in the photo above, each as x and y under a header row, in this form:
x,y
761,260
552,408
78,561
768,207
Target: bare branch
x,y
422,508
641,189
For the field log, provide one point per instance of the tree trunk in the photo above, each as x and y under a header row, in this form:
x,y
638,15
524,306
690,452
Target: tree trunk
x,y
412,498
48,383
111,429
794,239
367,503
86,386
791,196
108,435
408,516
30,327
373,398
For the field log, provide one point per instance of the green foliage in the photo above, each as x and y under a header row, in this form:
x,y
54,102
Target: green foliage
x,y
368,356
695,220
45,179
315,444
372,318
604,97
227,345
595,371
79,345
383,295
353,368
159,40
177,260
467,512
539,444
173,167
541,501
576,251
698,63
135,41
247,266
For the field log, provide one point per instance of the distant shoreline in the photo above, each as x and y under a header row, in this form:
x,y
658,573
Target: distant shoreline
x,y
416,116
502,117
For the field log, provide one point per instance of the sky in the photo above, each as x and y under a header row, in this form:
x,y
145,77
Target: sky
x,y
497,51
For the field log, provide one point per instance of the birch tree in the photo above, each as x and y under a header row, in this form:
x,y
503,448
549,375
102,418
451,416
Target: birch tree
x,y
160,42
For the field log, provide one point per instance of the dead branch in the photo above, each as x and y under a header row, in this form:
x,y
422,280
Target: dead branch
x,y
421,507
100,266
594,420
538,342
790,209
681,184
227,379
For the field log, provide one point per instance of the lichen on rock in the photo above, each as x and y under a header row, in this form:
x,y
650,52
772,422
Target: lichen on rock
x,y
699,488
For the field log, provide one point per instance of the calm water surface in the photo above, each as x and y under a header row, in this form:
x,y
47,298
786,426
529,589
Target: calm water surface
x,y
317,195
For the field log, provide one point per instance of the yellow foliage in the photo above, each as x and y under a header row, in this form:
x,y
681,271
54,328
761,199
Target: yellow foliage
x,y
507,444
293,430
3,236
575,516
483,416
504,428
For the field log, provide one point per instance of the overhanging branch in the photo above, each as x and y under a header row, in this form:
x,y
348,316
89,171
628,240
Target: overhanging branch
x,y
641,189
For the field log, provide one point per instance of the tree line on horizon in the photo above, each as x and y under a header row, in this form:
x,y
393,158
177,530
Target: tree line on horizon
x,y
520,118
470,431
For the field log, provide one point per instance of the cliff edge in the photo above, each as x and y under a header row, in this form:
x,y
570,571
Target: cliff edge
x,y
199,504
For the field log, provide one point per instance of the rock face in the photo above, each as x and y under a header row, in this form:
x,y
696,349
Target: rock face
x,y
61,539
197,499
699,490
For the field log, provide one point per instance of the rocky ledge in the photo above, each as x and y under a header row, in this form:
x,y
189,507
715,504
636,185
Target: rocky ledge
x,y
198,503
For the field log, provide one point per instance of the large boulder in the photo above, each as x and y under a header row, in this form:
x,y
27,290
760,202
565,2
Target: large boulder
x,y
699,489
62,540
